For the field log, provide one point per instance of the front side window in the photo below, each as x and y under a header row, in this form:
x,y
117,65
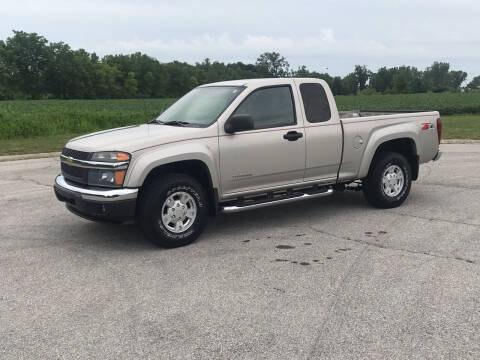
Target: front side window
x,y
269,107
315,102
200,107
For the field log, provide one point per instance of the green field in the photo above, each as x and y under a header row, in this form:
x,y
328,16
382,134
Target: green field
x,y
45,125
33,118
445,103
466,126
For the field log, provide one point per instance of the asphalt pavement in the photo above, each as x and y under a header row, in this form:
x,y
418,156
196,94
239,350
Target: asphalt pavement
x,y
330,278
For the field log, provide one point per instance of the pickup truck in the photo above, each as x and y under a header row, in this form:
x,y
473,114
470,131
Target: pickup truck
x,y
238,145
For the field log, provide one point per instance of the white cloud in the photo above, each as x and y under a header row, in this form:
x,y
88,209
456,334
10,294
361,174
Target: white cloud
x,y
330,33
323,44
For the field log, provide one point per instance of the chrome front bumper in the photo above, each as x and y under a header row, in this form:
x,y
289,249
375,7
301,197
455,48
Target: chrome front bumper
x,y
97,195
117,205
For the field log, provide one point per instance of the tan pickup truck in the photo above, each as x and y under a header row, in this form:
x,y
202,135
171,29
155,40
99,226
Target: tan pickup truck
x,y
239,145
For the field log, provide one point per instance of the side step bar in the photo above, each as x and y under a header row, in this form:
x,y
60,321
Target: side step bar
x,y
235,209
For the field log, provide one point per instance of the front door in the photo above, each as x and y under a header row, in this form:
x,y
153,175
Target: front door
x,y
270,155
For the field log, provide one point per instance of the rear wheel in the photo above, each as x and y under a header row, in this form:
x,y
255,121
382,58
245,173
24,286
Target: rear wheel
x,y
389,180
173,210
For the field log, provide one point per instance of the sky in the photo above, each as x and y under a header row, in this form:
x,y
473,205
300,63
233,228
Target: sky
x,y
325,35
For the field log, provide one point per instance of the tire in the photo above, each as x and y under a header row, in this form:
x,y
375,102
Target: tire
x,y
166,197
383,187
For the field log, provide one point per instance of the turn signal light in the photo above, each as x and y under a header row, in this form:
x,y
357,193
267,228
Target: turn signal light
x,y
122,157
119,177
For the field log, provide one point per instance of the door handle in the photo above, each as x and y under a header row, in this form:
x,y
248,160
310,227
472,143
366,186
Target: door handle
x,y
292,136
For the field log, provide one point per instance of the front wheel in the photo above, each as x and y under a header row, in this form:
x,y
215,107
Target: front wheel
x,y
173,210
389,180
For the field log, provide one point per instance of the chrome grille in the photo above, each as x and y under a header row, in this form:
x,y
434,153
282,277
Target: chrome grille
x,y
80,155
75,173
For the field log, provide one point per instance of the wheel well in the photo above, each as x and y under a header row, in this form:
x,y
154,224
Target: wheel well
x,y
196,169
404,146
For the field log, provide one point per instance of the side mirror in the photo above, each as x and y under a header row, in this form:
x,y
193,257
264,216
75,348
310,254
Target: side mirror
x,y
239,122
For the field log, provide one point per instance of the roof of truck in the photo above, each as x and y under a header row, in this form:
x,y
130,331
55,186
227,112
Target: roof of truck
x,y
262,81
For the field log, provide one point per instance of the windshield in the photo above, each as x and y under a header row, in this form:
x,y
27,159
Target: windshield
x,y
200,107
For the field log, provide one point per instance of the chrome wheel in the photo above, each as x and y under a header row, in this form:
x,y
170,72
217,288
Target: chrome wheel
x,y
393,180
179,212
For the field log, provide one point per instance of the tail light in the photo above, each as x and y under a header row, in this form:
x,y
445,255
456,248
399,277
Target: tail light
x,y
439,129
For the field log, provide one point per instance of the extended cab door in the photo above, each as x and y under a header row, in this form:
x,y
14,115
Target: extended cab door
x,y
273,153
323,130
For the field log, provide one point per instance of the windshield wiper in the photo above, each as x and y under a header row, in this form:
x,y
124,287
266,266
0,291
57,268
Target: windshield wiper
x,y
176,123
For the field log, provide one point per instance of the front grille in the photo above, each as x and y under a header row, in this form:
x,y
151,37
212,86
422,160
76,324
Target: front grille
x,y
75,173
80,155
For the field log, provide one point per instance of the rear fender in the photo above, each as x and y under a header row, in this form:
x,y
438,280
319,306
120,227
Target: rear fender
x,y
380,136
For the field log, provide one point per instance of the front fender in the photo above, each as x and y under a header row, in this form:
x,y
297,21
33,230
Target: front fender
x,y
170,153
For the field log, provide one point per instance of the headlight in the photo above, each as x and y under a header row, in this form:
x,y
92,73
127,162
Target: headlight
x,y
101,177
108,177
110,156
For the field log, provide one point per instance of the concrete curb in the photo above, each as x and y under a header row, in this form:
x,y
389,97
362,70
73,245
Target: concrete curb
x,y
460,141
29,156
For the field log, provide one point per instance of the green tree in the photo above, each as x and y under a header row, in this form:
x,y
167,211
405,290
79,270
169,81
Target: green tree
x,y
32,68
362,74
130,85
27,58
417,84
350,84
180,80
107,81
475,83
401,83
382,79
338,86
272,64
302,72
4,88
61,74
456,78
85,64
436,76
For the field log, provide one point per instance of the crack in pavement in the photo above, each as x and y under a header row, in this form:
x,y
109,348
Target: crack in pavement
x,y
333,303
435,219
463,187
36,182
381,246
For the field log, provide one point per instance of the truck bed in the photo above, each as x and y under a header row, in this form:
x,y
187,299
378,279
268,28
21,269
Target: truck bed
x,y
366,113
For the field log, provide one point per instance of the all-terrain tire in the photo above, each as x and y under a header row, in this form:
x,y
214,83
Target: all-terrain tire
x,y
389,180
153,205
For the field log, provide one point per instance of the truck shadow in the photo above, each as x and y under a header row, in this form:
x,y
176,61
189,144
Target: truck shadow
x,y
327,208
129,237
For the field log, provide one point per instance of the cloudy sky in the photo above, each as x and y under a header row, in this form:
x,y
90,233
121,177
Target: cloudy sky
x,y
321,34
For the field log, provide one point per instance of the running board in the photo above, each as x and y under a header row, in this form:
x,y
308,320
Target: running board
x,y
235,209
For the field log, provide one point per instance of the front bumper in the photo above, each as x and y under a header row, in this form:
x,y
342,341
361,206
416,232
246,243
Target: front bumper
x,y
117,205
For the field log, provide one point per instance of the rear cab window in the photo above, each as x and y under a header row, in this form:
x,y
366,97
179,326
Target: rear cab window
x,y
315,102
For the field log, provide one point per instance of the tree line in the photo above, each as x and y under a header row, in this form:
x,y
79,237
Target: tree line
x,y
31,67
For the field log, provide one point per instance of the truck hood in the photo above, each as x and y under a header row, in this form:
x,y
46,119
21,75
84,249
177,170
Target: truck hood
x,y
133,138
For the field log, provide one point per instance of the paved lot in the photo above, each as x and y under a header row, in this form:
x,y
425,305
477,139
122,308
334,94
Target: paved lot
x,y
328,278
